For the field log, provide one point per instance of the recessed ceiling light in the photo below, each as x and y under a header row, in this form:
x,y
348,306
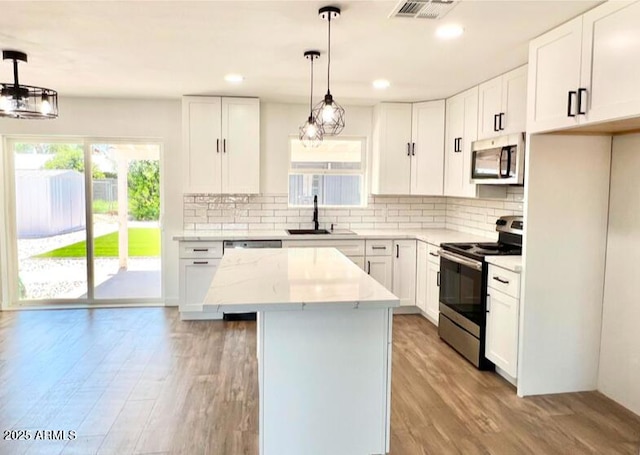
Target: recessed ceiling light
x,y
449,31
381,84
234,78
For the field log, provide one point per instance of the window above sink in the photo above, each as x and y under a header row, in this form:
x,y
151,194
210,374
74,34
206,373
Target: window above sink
x,y
334,171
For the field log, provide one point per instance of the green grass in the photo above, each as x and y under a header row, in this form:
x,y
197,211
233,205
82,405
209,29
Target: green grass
x,y
142,242
102,206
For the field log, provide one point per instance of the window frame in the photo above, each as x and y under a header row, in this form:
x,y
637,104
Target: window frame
x,y
361,172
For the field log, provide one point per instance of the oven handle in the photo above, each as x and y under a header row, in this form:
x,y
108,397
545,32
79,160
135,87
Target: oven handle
x,y
476,265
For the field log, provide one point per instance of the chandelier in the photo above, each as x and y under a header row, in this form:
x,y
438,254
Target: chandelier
x,y
25,101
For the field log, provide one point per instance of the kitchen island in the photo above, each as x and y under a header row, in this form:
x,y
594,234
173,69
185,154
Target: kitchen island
x,y
324,348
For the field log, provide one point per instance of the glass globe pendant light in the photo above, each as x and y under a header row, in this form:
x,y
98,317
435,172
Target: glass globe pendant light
x,y
311,132
328,113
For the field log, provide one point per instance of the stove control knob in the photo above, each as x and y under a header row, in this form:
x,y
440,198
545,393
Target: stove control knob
x,y
501,222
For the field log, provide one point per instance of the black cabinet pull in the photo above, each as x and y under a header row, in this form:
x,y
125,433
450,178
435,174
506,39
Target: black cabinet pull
x,y
408,148
570,104
217,145
580,92
201,249
495,122
369,267
413,148
200,262
438,279
224,146
397,251
500,119
435,255
456,146
378,247
501,280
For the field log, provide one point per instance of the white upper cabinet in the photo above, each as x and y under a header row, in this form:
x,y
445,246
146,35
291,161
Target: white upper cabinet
x,y
587,70
502,104
221,144
408,148
611,62
202,131
462,130
554,78
392,149
427,148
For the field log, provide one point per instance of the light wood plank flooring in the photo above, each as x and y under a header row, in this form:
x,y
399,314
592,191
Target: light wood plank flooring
x,y
140,381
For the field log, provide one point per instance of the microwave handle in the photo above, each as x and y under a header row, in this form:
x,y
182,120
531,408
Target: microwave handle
x,y
500,163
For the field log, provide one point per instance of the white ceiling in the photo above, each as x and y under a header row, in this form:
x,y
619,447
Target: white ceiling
x,y
154,49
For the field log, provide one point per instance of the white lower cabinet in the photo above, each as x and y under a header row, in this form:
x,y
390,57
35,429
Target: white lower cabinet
x,y
503,308
198,264
428,281
433,291
380,268
421,277
404,271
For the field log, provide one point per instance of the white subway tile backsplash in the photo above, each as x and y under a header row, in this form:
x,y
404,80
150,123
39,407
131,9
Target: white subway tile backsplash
x,y
271,211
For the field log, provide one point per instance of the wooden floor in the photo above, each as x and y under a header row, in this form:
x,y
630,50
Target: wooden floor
x,y
140,381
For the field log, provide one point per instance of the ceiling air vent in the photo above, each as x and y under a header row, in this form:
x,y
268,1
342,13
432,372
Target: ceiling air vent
x,y
423,9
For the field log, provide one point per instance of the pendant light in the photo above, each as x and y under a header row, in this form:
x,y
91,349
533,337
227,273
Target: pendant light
x,y
328,113
311,132
24,101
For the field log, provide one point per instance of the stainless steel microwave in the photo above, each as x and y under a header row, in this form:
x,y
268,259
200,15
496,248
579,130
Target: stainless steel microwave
x,y
498,161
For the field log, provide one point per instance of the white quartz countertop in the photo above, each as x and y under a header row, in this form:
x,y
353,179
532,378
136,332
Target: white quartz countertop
x,y
292,279
513,263
433,236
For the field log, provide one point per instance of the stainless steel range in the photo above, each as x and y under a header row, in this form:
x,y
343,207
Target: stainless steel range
x,y
463,289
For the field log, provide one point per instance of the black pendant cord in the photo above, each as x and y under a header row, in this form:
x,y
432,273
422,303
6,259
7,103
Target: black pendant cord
x,y
15,74
329,56
311,95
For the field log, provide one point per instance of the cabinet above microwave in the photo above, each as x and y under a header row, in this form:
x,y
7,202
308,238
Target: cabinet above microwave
x,y
498,161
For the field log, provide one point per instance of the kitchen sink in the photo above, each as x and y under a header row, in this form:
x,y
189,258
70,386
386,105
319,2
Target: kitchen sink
x,y
307,231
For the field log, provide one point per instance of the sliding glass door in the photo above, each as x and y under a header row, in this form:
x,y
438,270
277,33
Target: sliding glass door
x,y
86,221
50,213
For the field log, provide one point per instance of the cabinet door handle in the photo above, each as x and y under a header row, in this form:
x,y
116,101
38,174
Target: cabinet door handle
x,y
501,280
369,267
200,262
413,148
570,113
408,148
438,279
488,300
201,250
397,251
580,92
455,145
435,255
500,120
495,122
224,146
378,247
217,145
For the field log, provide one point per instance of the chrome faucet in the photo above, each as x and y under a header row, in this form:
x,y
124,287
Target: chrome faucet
x,y
316,224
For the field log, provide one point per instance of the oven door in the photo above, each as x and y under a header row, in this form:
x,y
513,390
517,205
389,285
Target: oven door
x,y
461,298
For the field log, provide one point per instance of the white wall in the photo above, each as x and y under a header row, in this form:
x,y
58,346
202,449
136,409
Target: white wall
x,y
158,120
566,206
619,376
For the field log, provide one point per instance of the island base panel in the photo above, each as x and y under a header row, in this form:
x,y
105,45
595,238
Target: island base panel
x,y
324,381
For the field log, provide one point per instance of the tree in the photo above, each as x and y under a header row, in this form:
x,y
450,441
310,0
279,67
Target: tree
x,y
70,157
144,190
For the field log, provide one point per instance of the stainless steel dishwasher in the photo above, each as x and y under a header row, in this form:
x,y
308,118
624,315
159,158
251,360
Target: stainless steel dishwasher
x,y
247,244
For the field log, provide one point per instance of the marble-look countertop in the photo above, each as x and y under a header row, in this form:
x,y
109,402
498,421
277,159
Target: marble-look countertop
x,y
292,279
513,263
433,236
